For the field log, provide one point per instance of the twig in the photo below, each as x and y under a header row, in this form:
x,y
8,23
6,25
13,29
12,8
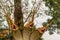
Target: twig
x,y
33,11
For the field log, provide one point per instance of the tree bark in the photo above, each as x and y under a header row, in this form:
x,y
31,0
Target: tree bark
x,y
23,33
18,19
18,15
28,34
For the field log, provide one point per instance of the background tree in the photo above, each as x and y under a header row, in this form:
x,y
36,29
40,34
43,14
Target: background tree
x,y
54,12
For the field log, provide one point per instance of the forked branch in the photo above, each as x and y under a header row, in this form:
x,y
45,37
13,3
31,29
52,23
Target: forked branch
x,y
43,29
10,22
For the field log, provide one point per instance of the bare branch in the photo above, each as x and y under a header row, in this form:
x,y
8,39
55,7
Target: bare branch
x,y
34,10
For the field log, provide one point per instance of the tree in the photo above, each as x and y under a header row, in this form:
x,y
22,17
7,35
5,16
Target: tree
x,y
17,28
54,12
25,33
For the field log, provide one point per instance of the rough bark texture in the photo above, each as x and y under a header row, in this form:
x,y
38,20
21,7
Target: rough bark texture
x,y
18,15
18,18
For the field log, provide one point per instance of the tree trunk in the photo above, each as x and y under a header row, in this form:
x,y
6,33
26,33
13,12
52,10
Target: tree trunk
x,y
23,33
28,34
18,19
17,35
18,15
